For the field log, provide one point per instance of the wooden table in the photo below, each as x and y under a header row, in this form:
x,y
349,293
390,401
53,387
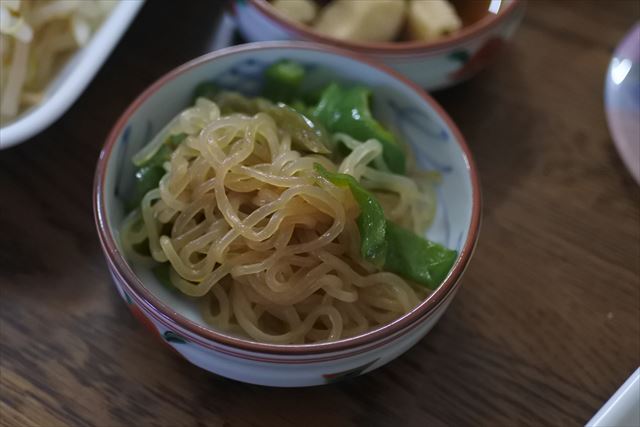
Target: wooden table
x,y
545,329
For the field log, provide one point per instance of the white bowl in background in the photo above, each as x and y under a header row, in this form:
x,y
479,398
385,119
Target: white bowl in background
x,y
433,65
73,78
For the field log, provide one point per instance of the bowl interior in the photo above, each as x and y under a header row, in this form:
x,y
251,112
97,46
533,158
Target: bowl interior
x,y
396,104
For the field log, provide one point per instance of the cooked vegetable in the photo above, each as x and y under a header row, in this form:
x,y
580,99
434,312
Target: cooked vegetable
x,y
371,222
282,81
347,110
416,258
146,179
187,122
367,21
303,11
432,19
165,150
234,102
162,273
390,246
151,171
176,139
205,90
305,134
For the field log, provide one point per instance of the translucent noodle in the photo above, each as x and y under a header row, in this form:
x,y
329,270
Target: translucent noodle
x,y
272,249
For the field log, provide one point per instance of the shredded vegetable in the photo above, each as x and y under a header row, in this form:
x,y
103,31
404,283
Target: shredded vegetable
x,y
36,37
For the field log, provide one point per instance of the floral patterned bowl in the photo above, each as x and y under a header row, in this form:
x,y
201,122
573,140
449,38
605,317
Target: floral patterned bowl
x,y
432,65
411,113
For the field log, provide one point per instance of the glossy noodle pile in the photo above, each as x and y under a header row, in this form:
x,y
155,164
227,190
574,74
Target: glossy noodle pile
x,y
269,246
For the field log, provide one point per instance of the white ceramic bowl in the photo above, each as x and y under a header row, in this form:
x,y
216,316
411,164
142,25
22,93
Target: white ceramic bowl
x,y
433,65
411,113
73,78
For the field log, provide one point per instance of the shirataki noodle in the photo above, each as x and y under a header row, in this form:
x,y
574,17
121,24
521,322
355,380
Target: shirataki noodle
x,y
270,247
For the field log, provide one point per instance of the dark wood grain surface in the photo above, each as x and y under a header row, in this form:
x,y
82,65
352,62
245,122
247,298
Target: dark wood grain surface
x,y
545,329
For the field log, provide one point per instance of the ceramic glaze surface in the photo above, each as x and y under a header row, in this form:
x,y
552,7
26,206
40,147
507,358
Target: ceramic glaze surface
x,y
431,67
420,124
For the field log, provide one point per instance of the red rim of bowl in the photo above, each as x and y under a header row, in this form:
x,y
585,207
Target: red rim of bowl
x,y
135,284
467,32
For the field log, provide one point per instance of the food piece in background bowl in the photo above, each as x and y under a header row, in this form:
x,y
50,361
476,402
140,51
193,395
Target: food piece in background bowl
x,y
363,20
375,20
289,232
36,37
433,64
431,19
303,11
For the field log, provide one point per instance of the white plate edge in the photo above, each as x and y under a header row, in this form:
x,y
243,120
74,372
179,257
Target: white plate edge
x,y
100,46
